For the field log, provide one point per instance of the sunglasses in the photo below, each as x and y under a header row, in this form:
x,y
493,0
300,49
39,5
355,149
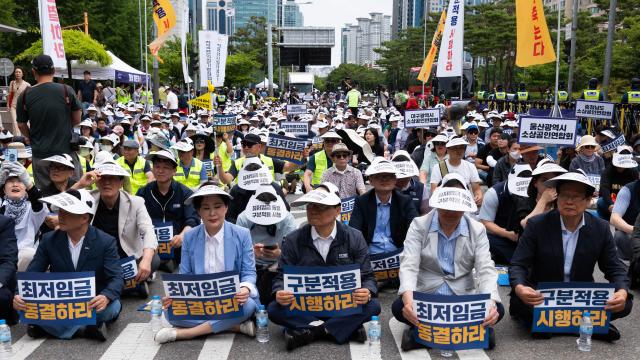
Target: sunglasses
x,y
199,142
341,156
589,146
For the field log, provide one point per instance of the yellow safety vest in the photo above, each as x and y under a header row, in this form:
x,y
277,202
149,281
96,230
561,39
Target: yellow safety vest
x,y
265,159
224,156
563,95
480,95
122,95
593,95
138,178
523,95
222,98
190,182
321,166
30,172
352,98
501,95
633,97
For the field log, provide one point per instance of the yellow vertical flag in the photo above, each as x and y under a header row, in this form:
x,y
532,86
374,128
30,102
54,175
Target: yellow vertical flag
x,y
425,71
534,42
164,16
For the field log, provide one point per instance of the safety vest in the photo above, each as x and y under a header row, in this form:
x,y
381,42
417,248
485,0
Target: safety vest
x,y
252,99
30,172
138,178
523,95
563,95
501,95
321,166
122,95
593,95
352,98
633,97
224,156
481,95
222,99
146,97
265,159
189,181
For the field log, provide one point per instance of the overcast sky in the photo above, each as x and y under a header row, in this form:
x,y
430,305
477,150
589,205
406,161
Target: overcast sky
x,y
337,13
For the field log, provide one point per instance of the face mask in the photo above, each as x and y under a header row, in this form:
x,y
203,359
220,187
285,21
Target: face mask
x,y
107,148
515,155
84,152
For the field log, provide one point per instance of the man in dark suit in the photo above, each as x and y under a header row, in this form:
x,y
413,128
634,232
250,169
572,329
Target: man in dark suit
x,y
77,246
564,245
383,214
8,267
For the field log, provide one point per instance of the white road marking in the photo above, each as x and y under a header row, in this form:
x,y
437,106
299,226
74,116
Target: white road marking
x,y
134,342
397,328
22,348
217,347
475,354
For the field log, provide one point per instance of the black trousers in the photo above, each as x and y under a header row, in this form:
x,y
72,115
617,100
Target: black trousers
x,y
264,284
6,306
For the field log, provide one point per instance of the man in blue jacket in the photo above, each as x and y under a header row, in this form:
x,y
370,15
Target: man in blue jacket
x,y
75,247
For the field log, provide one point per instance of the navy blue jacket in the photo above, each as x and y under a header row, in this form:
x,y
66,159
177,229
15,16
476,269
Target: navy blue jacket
x,y
99,253
176,211
8,252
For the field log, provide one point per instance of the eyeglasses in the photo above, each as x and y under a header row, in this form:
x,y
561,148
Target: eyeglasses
x,y
573,198
341,156
199,142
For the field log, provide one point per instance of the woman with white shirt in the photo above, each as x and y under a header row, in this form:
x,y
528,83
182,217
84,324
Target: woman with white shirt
x,y
212,247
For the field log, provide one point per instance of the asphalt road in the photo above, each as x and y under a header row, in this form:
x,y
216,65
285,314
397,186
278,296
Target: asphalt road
x,y
129,338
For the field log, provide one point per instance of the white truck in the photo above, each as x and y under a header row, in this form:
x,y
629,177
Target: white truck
x,y
302,81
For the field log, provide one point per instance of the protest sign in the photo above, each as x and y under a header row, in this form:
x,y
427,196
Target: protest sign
x,y
202,297
316,143
213,57
57,299
451,322
564,303
547,131
347,205
164,233
296,109
323,290
307,97
422,118
612,145
202,101
224,123
595,109
286,148
297,128
208,167
129,272
386,266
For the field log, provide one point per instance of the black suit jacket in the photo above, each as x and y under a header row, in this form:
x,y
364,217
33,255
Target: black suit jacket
x,y
8,252
99,253
539,256
402,213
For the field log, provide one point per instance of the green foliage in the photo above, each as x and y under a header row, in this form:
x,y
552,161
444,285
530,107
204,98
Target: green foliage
x,y
242,69
252,39
170,71
364,77
403,53
77,46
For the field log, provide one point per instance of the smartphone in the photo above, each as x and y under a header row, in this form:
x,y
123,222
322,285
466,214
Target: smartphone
x,y
12,154
270,247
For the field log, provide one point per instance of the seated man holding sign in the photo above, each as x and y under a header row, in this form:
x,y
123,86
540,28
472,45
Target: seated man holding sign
x,y
563,245
216,246
78,247
325,249
441,251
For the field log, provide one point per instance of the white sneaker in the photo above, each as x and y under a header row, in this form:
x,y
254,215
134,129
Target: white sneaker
x,y
165,335
248,328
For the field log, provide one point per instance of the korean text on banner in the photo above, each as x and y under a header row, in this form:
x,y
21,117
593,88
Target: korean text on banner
x,y
129,271
613,144
346,208
184,29
422,118
595,109
213,57
323,290
425,70
296,128
451,322
286,148
386,266
451,50
202,101
564,303
57,299
296,109
52,43
202,297
224,123
164,233
534,45
548,131
164,16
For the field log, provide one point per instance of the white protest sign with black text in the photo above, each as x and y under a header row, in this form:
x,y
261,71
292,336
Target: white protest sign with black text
x,y
422,118
595,109
547,131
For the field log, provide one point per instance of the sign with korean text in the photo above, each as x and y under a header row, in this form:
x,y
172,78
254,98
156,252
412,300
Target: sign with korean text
x,y
224,123
612,145
451,49
595,109
297,128
164,16
346,209
422,118
202,297
451,322
564,304
57,299
296,109
208,167
547,131
323,290
213,57
286,148
164,234
129,272
52,43
316,143
534,46
202,101
386,266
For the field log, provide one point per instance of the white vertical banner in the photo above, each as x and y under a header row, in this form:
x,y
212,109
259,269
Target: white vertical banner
x,y
184,29
213,57
52,44
451,52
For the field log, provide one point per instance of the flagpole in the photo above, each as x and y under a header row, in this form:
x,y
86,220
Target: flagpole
x,y
555,112
424,40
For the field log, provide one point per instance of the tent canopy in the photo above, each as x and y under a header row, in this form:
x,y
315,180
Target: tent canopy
x,y
119,71
265,84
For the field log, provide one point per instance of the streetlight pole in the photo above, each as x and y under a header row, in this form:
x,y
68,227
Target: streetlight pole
x,y
607,55
270,58
572,53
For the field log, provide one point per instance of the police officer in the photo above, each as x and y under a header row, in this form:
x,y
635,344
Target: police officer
x,y
499,93
563,95
221,99
483,93
592,94
633,96
522,94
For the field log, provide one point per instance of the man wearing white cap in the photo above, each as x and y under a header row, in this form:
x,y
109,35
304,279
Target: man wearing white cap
x,y
383,214
442,268
324,242
190,172
455,164
76,247
564,245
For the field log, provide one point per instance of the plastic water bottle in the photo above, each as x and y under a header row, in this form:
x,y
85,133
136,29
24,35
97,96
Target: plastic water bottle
x,y
5,340
375,332
156,314
586,330
262,325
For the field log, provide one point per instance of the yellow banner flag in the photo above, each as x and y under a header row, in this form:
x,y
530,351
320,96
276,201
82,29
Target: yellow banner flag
x,y
164,16
534,42
202,101
425,71
210,86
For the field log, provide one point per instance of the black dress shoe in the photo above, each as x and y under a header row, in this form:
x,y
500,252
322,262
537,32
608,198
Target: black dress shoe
x,y
143,290
492,338
297,338
98,332
360,335
409,342
612,335
35,332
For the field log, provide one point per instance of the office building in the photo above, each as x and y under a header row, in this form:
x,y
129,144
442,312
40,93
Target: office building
x,y
290,13
245,9
360,40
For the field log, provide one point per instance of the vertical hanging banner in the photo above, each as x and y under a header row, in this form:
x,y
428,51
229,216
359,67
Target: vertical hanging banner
x,y
451,51
213,57
534,45
425,70
164,16
184,29
52,44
